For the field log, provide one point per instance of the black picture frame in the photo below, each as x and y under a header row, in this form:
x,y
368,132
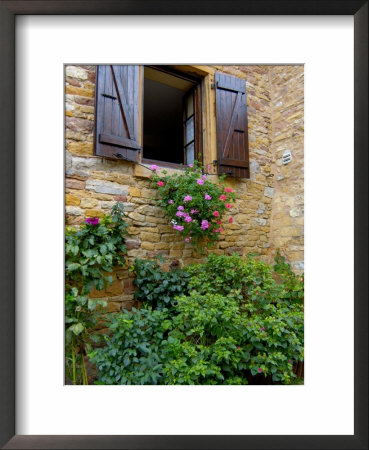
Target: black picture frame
x,y
8,12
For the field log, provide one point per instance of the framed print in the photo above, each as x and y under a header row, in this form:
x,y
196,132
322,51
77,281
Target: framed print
x,y
330,409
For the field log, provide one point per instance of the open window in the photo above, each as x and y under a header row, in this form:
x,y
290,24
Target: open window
x,y
171,116
156,114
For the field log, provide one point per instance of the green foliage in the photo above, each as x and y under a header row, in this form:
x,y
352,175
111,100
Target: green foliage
x,y
156,287
194,204
135,352
90,251
293,286
94,249
203,347
80,318
233,319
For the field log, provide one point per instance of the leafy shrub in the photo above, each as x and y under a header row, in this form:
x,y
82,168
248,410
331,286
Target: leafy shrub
x,y
156,287
293,285
203,347
80,318
194,204
135,352
95,248
236,318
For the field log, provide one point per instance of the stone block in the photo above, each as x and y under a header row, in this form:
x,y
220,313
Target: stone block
x,y
136,217
88,203
150,237
76,72
297,211
121,178
72,200
107,205
129,287
74,90
106,187
116,288
269,192
134,192
73,210
130,243
94,213
71,183
120,198
147,246
259,221
77,174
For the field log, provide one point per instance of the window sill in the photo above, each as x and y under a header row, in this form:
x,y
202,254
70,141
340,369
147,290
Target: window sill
x,y
143,171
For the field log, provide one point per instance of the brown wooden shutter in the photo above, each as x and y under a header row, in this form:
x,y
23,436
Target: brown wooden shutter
x,y
232,135
117,112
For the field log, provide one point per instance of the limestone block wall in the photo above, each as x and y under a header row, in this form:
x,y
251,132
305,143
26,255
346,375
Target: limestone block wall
x,y
93,184
287,106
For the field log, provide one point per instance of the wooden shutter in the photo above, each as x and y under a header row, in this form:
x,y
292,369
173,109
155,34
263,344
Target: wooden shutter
x,y
117,112
232,135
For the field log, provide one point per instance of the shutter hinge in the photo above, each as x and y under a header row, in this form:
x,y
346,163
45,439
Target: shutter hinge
x,y
109,96
118,155
213,85
215,162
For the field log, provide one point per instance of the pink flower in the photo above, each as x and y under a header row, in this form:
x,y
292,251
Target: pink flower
x,y
187,239
260,370
180,208
190,165
207,197
160,183
262,328
219,222
290,361
208,167
92,221
193,211
188,219
230,220
170,202
228,190
204,177
223,197
154,167
218,230
200,181
178,227
238,348
204,224
180,214
188,198
216,214
228,205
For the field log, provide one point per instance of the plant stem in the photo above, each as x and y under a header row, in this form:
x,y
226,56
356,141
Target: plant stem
x,y
74,366
84,374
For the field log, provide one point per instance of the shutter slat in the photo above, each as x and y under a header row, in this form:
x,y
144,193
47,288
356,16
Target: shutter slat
x,y
232,130
117,140
124,107
117,109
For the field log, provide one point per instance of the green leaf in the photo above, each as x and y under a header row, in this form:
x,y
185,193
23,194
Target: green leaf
x,y
73,267
76,328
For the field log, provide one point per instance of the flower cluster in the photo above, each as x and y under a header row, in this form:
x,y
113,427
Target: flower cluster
x,y
194,204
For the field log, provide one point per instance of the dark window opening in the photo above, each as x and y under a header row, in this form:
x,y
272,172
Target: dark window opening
x,y
172,118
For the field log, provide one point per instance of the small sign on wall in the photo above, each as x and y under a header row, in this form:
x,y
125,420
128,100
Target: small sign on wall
x,y
286,157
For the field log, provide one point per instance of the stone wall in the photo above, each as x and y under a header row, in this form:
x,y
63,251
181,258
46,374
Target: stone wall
x,y
287,106
94,184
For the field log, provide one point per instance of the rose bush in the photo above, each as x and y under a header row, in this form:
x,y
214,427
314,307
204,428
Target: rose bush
x,y
194,204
